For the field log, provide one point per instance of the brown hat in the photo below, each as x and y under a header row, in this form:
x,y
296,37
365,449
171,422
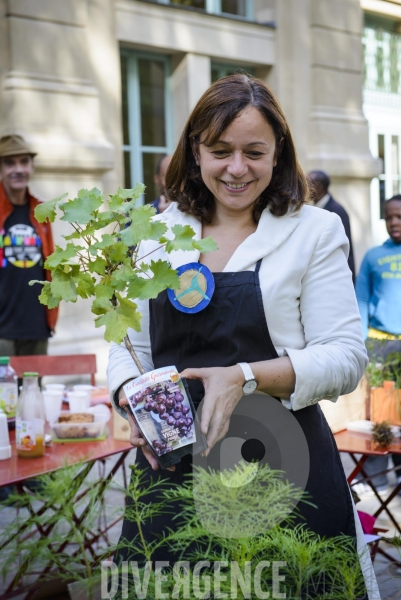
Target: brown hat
x,y
13,145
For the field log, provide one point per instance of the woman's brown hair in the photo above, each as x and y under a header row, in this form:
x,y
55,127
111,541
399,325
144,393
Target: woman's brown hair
x,y
214,112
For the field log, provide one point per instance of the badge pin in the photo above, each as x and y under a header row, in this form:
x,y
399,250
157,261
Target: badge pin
x,y
196,288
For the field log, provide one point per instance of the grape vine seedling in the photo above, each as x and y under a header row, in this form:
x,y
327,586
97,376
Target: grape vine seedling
x,y
103,259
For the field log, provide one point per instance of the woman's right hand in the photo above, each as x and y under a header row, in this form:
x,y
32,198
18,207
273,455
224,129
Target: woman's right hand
x,y
136,437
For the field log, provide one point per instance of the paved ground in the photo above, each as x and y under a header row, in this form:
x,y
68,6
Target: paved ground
x,y
389,577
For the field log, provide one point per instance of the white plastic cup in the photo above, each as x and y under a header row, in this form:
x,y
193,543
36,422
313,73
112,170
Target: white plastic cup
x,y
52,400
79,401
5,447
55,386
81,387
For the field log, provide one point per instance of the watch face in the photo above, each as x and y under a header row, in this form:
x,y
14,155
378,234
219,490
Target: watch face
x,y
249,386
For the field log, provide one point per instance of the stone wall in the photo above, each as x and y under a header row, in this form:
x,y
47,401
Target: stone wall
x,y
60,89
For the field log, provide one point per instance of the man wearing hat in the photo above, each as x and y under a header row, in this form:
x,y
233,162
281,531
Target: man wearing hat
x,y
25,324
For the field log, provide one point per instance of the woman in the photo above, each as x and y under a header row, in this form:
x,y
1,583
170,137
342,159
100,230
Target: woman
x,y
284,301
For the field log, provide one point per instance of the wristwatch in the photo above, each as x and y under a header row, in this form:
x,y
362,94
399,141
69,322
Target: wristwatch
x,y
250,384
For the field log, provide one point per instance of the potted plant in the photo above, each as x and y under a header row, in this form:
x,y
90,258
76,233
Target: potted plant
x,y
385,381
284,559
103,260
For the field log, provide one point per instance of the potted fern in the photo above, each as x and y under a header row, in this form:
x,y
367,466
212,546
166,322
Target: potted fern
x,y
286,560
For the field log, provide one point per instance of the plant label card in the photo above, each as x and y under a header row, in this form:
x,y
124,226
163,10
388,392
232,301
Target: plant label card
x,y
161,407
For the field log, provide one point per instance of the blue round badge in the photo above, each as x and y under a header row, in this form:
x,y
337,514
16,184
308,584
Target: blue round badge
x,y
196,288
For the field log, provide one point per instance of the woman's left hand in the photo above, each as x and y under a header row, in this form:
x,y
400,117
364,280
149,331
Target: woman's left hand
x,y
223,391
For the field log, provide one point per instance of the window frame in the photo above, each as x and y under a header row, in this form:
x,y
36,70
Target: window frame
x,y
135,148
213,7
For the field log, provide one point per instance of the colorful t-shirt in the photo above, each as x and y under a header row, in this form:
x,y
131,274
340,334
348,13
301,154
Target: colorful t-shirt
x,y
378,289
21,314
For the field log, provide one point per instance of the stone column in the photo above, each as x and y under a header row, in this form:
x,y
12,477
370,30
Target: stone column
x,y
190,79
339,141
290,77
60,89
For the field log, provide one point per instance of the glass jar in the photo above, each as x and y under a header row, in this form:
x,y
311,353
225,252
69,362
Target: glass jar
x,y
30,419
8,390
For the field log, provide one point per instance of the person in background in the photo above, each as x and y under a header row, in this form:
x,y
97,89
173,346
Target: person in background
x,y
161,203
25,323
378,292
319,183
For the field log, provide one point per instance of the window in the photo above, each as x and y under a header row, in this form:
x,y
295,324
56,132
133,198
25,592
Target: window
x,y
146,115
237,8
220,70
382,58
387,147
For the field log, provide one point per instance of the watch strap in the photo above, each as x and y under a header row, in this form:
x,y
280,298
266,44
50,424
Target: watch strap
x,y
247,371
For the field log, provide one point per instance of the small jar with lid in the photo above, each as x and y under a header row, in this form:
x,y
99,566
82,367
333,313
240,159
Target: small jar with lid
x,y
30,419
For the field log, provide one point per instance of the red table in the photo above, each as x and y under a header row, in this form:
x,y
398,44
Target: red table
x,y
361,443
16,471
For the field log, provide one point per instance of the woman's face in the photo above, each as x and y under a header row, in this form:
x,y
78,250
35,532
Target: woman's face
x,y
239,166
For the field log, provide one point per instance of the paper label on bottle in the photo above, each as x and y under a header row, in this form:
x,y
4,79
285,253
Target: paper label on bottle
x,y
27,432
161,407
8,398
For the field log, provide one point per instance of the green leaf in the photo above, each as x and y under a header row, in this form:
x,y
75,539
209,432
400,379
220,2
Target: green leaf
x,y
47,210
163,277
63,286
101,306
142,226
103,290
98,266
46,297
106,241
61,256
118,253
33,281
85,284
122,274
81,209
117,200
206,245
183,240
106,217
119,319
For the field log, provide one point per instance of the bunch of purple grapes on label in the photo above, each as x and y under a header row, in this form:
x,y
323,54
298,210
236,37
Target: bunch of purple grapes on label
x,y
162,410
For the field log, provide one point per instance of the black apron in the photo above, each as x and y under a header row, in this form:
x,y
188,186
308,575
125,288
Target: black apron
x,y
232,329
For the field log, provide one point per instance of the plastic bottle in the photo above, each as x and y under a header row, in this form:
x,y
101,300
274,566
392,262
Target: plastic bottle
x,y
30,419
8,390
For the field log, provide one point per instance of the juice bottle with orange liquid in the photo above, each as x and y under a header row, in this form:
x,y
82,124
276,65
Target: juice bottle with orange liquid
x,y
30,419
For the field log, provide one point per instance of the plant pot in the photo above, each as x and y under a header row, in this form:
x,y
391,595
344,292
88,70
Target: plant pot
x,y
162,407
80,590
385,404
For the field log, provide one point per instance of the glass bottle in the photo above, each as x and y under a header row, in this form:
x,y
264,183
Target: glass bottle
x,y
30,419
8,390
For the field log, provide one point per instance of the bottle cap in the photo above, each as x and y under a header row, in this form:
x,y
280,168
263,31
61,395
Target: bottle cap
x,y
4,360
5,448
30,374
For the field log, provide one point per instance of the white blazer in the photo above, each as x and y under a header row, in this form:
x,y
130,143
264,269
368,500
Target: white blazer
x,y
308,298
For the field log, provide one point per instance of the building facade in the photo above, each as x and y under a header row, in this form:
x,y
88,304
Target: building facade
x,y
102,88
